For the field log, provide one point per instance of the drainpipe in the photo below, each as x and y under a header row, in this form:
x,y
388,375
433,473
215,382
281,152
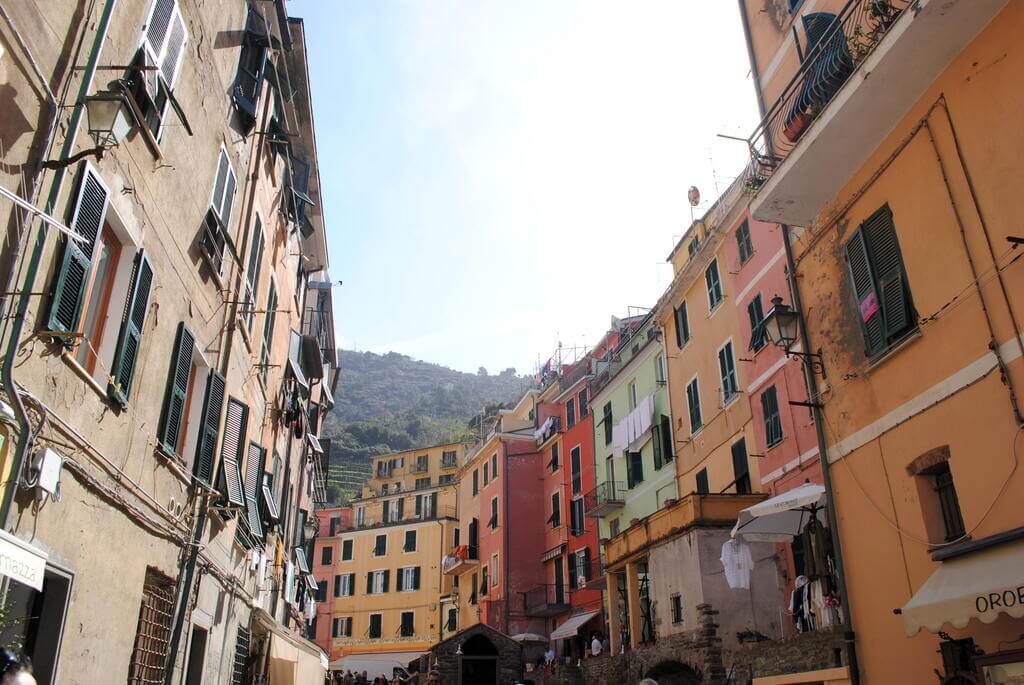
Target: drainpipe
x,y
25,438
505,526
755,73
819,429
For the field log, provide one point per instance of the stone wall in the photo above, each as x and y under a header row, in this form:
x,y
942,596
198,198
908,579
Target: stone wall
x,y
510,655
700,652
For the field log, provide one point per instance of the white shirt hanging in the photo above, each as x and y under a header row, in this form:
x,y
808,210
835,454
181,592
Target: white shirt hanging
x,y
738,563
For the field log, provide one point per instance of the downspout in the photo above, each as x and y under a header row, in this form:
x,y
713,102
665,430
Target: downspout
x,y
755,73
187,570
505,564
819,428
25,438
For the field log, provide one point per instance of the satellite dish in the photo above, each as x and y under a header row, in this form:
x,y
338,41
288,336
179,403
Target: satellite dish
x,y
693,195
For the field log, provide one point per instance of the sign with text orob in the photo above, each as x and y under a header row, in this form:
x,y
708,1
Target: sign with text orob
x,y
21,561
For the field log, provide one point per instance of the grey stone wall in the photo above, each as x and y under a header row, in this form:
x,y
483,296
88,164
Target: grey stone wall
x,y
510,655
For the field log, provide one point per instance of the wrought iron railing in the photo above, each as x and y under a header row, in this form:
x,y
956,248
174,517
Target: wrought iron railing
x,y
609,493
836,44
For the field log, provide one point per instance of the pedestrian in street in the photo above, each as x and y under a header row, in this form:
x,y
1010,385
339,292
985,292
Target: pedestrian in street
x,y
595,645
15,669
434,678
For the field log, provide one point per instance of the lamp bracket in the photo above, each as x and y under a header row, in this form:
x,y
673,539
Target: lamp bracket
x,y
812,360
62,163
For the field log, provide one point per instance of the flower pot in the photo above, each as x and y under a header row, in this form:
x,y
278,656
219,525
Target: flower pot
x,y
796,126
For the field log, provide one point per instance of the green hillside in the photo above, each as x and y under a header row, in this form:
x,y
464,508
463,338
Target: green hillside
x,y
391,402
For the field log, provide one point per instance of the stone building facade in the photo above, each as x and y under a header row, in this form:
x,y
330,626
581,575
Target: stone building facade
x,y
168,338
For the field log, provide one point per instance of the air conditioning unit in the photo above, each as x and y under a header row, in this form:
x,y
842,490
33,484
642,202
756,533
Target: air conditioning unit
x,y
581,581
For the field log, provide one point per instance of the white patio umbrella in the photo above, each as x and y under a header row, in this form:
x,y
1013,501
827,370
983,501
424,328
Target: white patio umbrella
x,y
782,517
529,637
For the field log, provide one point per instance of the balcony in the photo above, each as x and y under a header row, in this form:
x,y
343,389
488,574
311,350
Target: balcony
x,y
547,430
444,511
462,559
419,468
604,499
863,69
546,600
451,463
690,511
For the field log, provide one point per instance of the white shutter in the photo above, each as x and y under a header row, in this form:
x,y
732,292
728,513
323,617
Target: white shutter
x,y
164,40
170,61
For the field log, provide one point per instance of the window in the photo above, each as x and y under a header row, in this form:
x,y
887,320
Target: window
x,y
794,5
377,582
634,469
772,419
556,511
426,506
682,319
410,541
554,457
215,226
743,243
341,626
446,478
476,482
741,467
235,424
582,403
677,604
252,274
149,655
268,333
326,555
163,46
380,546
949,503
632,395
422,483
714,284
758,333
472,591
375,629
607,420
659,369
453,620
661,441
727,370
702,482
494,570
252,62
483,579
344,584
579,571
576,516
423,463
613,527
240,670
346,550
879,280
189,426
408,579
494,466
407,629
692,246
570,413
693,403
321,591
254,467
360,516
448,459
493,523
487,469
576,459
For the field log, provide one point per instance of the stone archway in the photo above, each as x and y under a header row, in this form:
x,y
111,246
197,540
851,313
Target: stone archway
x,y
479,662
673,673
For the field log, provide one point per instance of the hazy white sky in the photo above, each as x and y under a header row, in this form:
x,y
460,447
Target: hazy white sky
x,y
502,175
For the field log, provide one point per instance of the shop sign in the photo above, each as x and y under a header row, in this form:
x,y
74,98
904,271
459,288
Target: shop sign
x,y
21,561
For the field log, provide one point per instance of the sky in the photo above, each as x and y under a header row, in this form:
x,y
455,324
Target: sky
x,y
502,176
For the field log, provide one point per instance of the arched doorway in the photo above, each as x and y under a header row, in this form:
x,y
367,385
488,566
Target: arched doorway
x,y
479,662
673,673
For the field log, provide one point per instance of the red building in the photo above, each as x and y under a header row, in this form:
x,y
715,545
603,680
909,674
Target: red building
x,y
331,521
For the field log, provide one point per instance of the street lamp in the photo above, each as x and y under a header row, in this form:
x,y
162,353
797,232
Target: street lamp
x,y
110,121
781,325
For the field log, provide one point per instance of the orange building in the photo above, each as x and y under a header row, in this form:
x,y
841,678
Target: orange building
x,y
890,152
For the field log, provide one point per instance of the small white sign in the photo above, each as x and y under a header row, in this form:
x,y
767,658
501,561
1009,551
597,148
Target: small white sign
x,y
21,561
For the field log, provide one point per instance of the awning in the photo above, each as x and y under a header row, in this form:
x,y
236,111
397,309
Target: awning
x,y
782,517
979,585
572,626
293,659
529,637
378,664
553,552
21,561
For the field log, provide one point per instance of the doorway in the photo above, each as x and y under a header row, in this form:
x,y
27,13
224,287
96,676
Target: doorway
x,y
479,662
196,657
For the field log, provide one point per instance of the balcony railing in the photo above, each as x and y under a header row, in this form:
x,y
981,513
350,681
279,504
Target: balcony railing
x,y
836,45
419,468
604,499
444,511
546,600
460,559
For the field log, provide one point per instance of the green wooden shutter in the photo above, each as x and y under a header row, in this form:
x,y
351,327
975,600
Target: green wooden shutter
x,y
667,451
231,452
433,505
213,404
132,327
887,264
416,578
863,280
87,218
387,578
253,471
369,582
400,580
657,445
419,505
177,389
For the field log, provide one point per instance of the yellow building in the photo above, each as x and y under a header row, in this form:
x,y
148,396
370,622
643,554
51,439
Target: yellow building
x,y
379,574
897,150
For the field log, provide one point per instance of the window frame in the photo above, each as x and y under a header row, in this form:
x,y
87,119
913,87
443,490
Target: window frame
x,y
773,420
682,325
715,288
728,373
744,243
692,402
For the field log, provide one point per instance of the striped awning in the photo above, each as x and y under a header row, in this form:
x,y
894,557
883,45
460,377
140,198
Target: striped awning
x,y
553,552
